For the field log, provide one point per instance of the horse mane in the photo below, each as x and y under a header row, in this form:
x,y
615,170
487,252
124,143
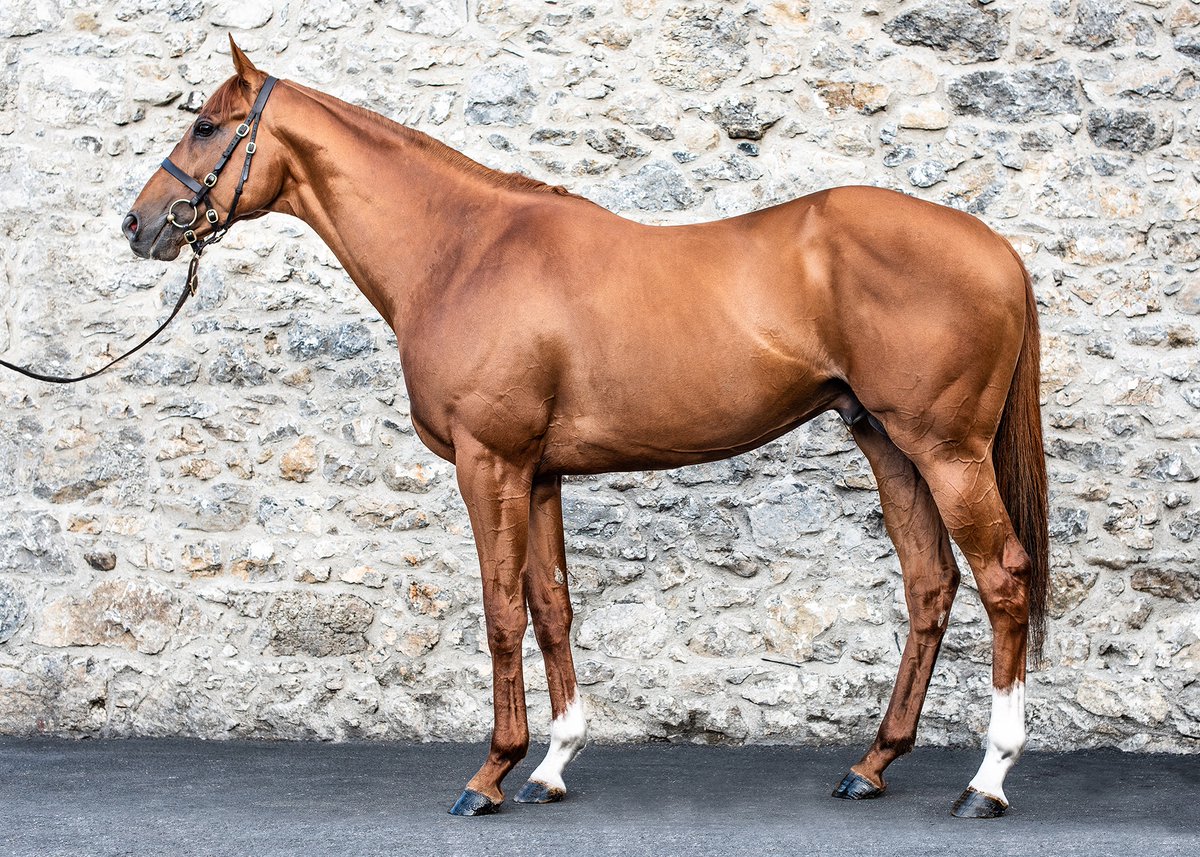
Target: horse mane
x,y
229,96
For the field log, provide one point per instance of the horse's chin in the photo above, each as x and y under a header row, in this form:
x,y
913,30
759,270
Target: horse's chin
x,y
166,246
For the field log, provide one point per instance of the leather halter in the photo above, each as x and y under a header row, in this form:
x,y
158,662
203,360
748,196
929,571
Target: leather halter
x,y
200,192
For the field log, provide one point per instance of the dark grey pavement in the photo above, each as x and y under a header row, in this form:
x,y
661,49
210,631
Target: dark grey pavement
x,y
176,797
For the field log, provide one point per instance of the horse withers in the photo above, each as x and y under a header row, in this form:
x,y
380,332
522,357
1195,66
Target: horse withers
x,y
543,336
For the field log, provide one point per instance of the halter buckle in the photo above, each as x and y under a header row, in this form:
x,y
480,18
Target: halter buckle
x,y
171,214
251,147
242,130
211,215
189,237
210,179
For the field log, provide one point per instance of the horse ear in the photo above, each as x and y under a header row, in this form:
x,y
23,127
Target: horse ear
x,y
241,63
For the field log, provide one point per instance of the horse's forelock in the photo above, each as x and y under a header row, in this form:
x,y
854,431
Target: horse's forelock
x,y
230,96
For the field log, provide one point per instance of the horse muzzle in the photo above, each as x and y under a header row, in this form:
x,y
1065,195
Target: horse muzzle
x,y
151,239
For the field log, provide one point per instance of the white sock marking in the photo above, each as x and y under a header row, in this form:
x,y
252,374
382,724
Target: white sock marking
x,y
1006,738
568,734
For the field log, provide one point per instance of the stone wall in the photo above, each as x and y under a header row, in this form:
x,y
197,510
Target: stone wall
x,y
238,534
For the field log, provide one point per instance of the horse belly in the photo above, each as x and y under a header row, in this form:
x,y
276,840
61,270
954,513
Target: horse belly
x,y
688,416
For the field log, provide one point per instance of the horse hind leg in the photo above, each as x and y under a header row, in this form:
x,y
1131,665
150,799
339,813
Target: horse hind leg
x,y
550,606
967,494
930,582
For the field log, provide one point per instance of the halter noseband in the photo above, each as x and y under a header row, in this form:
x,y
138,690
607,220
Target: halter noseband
x,y
201,190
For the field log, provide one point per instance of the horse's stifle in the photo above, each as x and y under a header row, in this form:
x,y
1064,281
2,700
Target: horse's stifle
x,y
541,335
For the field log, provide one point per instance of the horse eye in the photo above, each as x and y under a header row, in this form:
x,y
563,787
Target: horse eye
x,y
205,128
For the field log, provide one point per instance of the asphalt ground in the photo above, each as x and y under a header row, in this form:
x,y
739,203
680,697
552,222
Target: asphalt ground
x,y
162,798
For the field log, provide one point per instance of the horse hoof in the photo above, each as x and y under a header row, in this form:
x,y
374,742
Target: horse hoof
x,y
535,792
976,804
854,787
473,803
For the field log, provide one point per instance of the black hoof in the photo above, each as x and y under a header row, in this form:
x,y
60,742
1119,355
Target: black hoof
x,y
975,804
535,792
854,787
473,803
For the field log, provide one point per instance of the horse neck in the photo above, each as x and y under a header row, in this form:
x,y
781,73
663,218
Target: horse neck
x,y
382,197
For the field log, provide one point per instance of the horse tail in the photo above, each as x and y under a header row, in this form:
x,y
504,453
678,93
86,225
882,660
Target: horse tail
x,y
1020,463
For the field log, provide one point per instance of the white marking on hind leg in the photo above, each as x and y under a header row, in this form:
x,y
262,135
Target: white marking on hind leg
x,y
568,734
1006,738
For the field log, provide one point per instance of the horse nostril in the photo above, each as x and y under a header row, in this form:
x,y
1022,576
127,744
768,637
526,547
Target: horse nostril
x,y
130,226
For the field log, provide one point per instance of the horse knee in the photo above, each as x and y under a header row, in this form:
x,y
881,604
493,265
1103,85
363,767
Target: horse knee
x,y
506,636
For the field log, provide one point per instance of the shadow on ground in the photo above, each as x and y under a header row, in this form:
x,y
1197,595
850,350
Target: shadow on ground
x,y
195,798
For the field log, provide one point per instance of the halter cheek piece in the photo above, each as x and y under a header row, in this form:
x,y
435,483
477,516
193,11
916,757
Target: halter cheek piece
x,y
200,192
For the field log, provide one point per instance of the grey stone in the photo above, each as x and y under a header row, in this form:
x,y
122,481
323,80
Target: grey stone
x,y
223,508
305,623
729,168
553,136
614,142
427,17
340,341
13,609
926,173
28,17
500,95
1186,526
1095,23
1017,96
790,509
1188,44
742,118
701,45
1088,454
656,186
1177,584
1067,524
116,459
101,560
593,516
1129,130
964,31
241,14
1166,466
162,370
235,365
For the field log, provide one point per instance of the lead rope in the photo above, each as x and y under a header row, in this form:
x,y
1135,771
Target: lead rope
x,y
189,289
249,128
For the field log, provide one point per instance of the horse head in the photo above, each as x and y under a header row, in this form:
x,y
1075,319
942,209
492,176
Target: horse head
x,y
193,195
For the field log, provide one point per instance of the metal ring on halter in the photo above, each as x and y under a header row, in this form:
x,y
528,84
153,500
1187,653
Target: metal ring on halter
x,y
171,214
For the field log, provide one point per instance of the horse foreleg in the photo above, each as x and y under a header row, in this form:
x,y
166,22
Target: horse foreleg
x,y
497,494
550,606
930,582
970,502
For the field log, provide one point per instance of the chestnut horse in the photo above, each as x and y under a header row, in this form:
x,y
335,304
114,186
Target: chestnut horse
x,y
541,336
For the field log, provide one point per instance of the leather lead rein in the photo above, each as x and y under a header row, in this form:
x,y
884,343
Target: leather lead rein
x,y
200,192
